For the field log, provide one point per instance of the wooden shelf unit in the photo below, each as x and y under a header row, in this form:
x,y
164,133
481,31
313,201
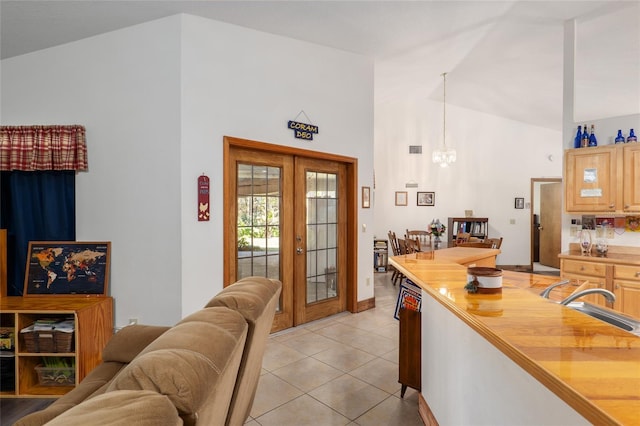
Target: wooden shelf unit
x,y
478,227
410,351
380,255
93,317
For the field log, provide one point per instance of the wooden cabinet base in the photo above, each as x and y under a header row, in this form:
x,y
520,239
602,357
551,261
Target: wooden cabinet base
x,y
93,321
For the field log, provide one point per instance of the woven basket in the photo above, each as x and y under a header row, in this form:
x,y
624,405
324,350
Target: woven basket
x,y
48,341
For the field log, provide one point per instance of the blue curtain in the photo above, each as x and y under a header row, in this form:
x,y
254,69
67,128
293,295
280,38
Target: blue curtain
x,y
34,206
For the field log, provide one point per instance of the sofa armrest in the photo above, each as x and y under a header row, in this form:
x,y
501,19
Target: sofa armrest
x,y
127,343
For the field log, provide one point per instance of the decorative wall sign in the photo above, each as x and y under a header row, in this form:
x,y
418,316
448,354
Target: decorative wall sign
x,y
302,130
67,268
203,198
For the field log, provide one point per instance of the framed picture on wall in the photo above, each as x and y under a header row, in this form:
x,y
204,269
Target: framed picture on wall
x,y
519,203
366,197
401,198
426,198
67,268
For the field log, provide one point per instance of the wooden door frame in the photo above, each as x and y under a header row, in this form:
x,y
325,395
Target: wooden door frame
x,y
532,196
351,164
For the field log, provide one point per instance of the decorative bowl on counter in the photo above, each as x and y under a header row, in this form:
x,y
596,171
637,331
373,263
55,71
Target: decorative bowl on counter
x,y
484,280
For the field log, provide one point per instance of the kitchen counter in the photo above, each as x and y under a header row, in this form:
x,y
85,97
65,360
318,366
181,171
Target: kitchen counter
x,y
593,367
626,255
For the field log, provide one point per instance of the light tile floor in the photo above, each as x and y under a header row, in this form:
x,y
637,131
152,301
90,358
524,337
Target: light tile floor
x,y
342,370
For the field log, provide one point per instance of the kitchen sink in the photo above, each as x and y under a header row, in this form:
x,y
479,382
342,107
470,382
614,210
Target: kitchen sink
x,y
614,318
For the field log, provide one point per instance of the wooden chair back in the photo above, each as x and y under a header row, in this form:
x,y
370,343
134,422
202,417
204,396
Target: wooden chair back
x,y
413,246
462,237
402,247
393,240
475,244
423,237
495,242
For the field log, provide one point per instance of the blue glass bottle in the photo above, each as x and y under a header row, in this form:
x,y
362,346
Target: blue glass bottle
x,y
619,138
592,138
578,140
632,137
585,137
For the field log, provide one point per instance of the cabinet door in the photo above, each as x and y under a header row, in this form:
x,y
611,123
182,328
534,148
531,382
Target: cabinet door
x,y
591,182
631,192
588,283
627,297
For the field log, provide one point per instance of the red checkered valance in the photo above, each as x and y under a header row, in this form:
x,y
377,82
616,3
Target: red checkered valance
x,y
30,148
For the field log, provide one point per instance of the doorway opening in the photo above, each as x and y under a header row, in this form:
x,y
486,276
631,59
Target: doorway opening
x,y
291,215
546,225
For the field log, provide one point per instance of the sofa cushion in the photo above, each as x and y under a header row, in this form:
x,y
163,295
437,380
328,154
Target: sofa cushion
x,y
120,408
196,358
256,299
127,343
93,384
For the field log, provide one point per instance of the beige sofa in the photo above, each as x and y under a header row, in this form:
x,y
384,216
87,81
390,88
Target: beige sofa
x,y
202,371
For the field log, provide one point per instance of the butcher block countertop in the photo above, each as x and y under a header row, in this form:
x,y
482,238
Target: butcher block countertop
x,y
616,255
592,366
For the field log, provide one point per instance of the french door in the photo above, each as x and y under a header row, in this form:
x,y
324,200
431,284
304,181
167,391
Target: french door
x,y
287,218
320,239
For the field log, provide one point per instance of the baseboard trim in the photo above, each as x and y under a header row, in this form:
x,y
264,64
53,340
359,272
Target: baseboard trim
x,y
425,412
366,304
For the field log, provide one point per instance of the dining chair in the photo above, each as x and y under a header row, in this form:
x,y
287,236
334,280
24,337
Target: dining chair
x,y
423,237
462,237
412,246
495,242
402,249
393,241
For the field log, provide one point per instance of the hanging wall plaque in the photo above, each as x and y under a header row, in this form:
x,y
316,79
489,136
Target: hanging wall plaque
x,y
203,199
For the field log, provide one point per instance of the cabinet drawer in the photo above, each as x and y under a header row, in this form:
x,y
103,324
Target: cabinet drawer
x,y
627,272
584,268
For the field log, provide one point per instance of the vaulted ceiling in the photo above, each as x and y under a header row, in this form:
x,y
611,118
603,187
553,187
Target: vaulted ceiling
x,y
503,57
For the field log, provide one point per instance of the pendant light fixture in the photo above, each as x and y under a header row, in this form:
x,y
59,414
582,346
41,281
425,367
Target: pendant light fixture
x,y
443,155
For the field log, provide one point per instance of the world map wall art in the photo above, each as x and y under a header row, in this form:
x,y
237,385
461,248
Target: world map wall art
x,y
67,268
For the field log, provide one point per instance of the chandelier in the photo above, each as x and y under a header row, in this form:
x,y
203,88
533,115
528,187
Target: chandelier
x,y
443,155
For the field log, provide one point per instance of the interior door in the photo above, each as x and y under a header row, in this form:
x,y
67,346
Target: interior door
x,y
320,239
260,205
550,223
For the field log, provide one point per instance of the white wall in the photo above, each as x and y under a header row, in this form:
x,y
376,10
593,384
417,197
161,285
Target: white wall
x,y
250,89
496,159
574,105
156,100
124,88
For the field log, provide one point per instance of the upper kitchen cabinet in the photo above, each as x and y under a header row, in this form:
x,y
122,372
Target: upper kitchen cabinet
x,y
603,179
631,187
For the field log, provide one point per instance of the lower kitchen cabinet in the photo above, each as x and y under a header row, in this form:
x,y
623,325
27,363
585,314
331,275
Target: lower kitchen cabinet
x,y
618,272
626,287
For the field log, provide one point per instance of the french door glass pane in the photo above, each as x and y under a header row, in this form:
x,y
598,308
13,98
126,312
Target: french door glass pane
x,y
322,201
258,226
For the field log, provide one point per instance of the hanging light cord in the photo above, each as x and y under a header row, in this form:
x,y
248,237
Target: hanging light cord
x,y
444,110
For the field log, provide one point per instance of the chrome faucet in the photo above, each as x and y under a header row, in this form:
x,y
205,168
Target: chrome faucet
x,y
606,293
547,291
